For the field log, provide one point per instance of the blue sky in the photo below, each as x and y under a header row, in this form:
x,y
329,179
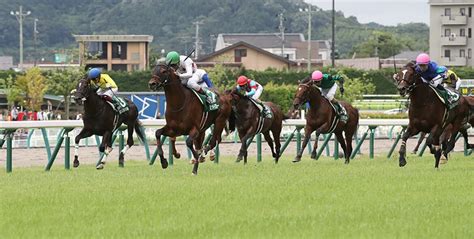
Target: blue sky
x,y
386,12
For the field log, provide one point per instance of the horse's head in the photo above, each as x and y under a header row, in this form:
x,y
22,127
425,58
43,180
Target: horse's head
x,y
82,91
302,93
161,75
405,79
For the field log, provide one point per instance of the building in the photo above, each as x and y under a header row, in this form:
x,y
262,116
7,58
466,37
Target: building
x,y
243,54
451,24
114,52
294,46
6,62
400,59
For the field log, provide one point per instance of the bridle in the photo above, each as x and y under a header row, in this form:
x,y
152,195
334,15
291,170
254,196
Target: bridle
x,y
303,98
165,75
409,87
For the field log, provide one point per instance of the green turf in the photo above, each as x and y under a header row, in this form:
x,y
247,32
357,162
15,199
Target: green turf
x,y
324,199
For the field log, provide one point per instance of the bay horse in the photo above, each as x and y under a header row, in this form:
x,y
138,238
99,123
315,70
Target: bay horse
x,y
246,116
321,116
427,114
185,115
100,119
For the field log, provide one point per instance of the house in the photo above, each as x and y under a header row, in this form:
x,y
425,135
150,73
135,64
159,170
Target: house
x,y
294,47
243,54
114,52
400,59
6,62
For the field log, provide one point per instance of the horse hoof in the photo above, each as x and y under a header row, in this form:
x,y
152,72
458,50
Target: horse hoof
x,y
202,159
75,164
164,164
100,166
212,157
313,156
238,160
195,173
347,162
414,152
443,160
402,164
296,160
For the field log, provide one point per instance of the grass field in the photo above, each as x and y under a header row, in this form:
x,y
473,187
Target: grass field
x,y
325,198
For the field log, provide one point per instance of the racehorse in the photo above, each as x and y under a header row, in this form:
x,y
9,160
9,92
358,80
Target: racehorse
x,y
246,116
427,114
185,115
100,119
322,118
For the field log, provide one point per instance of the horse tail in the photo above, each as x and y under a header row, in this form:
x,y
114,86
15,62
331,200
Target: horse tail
x,y
138,130
232,120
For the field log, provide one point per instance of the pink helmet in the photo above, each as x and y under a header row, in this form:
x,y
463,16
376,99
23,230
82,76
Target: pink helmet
x,y
317,76
423,58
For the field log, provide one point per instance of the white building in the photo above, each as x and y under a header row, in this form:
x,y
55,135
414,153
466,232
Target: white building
x,y
451,24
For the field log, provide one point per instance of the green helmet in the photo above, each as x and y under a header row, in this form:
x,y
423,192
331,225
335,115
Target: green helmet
x,y
172,58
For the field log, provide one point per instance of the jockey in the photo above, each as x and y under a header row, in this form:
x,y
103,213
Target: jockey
x,y
328,86
106,86
452,80
187,70
205,81
430,71
251,88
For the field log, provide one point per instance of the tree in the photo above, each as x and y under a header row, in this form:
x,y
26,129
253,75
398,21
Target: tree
x,y
354,88
62,82
33,85
13,93
381,44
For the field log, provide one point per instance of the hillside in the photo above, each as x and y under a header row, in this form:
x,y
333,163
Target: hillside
x,y
170,22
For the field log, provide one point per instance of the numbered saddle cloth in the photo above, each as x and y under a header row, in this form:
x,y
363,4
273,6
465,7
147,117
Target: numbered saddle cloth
x,y
449,97
264,109
210,101
119,104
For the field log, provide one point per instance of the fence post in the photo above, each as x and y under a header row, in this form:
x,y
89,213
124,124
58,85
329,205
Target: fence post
x,y
46,142
372,141
336,148
216,152
298,139
28,140
288,140
121,144
9,136
170,152
259,147
321,148
361,141
67,154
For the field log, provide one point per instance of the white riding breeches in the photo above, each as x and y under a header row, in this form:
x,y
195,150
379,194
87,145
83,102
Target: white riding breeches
x,y
193,82
435,82
108,91
329,93
458,84
258,92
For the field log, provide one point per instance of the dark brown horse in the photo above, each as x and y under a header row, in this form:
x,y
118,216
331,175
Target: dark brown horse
x,y
246,116
185,115
321,116
427,114
100,119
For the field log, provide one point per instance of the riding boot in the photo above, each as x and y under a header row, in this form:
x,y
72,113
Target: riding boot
x,y
440,87
336,104
203,92
107,98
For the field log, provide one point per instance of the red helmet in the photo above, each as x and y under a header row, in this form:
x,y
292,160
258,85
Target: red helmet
x,y
242,80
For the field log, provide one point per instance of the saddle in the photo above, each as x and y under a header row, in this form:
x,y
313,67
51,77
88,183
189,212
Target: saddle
x,y
449,97
118,104
264,109
212,105
341,112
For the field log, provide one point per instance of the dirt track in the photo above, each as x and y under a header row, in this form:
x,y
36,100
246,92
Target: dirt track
x,y
23,157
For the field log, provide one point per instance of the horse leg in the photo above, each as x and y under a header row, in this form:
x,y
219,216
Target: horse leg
x,y
130,143
349,134
340,139
403,148
176,154
198,145
83,134
269,140
244,136
163,131
105,148
314,153
193,138
420,140
276,137
463,131
219,126
307,134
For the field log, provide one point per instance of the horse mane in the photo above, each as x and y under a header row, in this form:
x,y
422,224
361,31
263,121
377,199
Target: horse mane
x,y
306,80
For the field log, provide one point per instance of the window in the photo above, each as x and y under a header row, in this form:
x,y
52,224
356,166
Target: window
x,y
469,11
97,50
119,67
119,50
135,67
462,32
469,53
447,11
135,56
469,32
462,53
462,12
447,53
239,53
447,32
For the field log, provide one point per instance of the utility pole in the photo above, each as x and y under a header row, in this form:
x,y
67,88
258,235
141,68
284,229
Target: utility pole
x,y
19,16
309,37
35,38
212,38
282,32
196,43
333,52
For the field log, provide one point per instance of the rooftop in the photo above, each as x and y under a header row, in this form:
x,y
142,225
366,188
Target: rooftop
x,y
113,38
